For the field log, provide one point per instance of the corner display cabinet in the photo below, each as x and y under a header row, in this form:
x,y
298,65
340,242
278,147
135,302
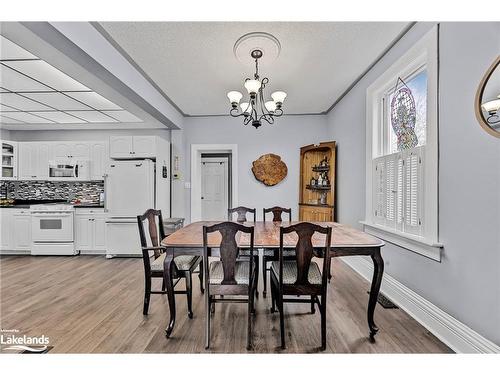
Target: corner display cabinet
x,y
317,182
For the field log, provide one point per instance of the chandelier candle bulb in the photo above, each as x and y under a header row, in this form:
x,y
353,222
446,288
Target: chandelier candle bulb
x,y
234,97
491,106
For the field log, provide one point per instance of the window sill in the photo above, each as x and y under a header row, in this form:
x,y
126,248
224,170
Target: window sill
x,y
410,242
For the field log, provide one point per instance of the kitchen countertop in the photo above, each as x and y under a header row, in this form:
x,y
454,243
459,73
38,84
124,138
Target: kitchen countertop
x,y
88,205
28,204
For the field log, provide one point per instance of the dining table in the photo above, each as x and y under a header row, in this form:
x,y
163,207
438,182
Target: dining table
x,y
345,241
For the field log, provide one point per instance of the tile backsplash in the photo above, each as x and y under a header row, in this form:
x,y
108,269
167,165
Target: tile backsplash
x,y
67,190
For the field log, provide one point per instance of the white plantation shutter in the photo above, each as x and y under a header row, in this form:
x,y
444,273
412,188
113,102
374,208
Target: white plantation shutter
x,y
398,191
413,191
379,190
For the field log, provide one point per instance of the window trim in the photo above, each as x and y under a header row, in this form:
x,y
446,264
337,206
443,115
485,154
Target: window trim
x,y
424,52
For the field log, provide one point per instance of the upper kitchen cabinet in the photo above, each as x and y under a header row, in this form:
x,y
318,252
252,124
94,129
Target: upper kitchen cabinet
x,y
75,150
9,160
98,160
33,160
132,147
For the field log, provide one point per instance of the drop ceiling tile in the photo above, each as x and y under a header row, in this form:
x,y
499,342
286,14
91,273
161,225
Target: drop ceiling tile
x,y
59,117
6,108
123,116
3,90
28,118
92,116
94,100
7,120
46,73
21,103
58,101
14,81
10,50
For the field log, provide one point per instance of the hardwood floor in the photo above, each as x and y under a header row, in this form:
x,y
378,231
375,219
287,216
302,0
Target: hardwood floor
x,y
89,304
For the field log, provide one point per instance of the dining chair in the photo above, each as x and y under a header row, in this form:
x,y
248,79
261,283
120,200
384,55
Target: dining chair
x,y
301,276
242,212
231,275
153,255
270,254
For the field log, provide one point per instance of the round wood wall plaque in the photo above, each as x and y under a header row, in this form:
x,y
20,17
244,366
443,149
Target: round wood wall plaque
x,y
269,169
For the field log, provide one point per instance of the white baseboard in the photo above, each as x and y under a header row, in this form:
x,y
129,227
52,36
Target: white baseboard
x,y
459,337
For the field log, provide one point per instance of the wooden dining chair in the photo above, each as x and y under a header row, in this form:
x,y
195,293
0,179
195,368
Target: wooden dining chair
x,y
231,275
301,276
242,212
270,254
153,255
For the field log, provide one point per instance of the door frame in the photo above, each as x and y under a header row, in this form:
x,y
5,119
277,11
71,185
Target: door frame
x,y
210,148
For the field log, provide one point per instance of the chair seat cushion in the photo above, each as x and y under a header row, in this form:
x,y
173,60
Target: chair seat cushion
x,y
275,253
246,253
290,272
241,271
183,262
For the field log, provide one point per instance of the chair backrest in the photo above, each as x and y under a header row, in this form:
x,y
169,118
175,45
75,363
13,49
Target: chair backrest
x,y
304,251
242,213
155,229
228,248
277,213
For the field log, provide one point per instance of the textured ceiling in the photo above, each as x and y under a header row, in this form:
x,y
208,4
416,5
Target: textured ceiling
x,y
194,65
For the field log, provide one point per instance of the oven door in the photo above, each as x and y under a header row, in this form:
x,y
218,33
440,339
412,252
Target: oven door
x,y
52,226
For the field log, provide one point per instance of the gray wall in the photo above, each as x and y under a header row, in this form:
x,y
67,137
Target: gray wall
x,y
466,284
284,138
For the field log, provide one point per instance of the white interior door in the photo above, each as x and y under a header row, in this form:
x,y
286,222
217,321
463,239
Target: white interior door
x,y
214,188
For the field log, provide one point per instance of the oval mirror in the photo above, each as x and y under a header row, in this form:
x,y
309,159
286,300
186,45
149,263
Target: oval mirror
x,y
488,100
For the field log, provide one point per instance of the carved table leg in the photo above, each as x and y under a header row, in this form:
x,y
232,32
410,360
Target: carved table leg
x,y
378,271
167,279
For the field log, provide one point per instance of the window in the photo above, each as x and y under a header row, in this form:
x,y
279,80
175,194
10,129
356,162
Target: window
x,y
402,151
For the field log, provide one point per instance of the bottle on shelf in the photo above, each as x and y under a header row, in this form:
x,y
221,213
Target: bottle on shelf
x,y
320,180
313,181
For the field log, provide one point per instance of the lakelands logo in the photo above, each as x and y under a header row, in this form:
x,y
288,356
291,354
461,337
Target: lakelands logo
x,y
11,340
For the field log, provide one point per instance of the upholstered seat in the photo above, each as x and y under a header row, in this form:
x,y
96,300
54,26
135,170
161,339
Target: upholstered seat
x,y
290,272
275,253
241,272
246,253
183,262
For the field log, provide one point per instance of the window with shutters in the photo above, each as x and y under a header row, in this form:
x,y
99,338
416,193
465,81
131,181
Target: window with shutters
x,y
402,156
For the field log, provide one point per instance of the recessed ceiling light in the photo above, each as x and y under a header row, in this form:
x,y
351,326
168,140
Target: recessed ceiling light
x,y
11,50
46,73
14,81
92,116
94,100
58,101
21,103
59,117
123,116
28,118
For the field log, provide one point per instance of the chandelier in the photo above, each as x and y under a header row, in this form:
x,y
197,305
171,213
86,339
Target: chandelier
x,y
256,109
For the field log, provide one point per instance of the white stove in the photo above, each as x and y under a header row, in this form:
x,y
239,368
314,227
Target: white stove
x,y
52,229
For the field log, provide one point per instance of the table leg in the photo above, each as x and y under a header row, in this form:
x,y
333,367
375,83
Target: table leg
x,y
169,285
378,272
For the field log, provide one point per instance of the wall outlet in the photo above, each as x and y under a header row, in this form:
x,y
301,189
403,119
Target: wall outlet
x,y
187,185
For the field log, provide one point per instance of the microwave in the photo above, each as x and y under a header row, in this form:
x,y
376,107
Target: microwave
x,y
69,170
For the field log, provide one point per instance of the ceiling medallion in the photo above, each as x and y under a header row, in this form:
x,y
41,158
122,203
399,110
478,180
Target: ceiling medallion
x,y
256,109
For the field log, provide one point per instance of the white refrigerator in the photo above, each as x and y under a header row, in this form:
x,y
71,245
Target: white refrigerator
x,y
130,191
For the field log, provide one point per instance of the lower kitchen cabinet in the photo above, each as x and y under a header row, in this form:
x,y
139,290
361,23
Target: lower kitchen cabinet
x,y
15,231
90,231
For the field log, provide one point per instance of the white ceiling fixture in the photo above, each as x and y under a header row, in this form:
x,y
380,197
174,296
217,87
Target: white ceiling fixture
x,y
317,63
257,108
34,92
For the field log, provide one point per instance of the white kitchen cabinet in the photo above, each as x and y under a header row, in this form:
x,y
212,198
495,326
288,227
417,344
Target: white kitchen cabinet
x,y
60,150
22,230
33,160
121,147
90,231
144,146
99,160
9,160
75,150
15,231
131,147
80,150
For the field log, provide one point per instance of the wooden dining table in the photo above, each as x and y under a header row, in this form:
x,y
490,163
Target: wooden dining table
x,y
346,241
